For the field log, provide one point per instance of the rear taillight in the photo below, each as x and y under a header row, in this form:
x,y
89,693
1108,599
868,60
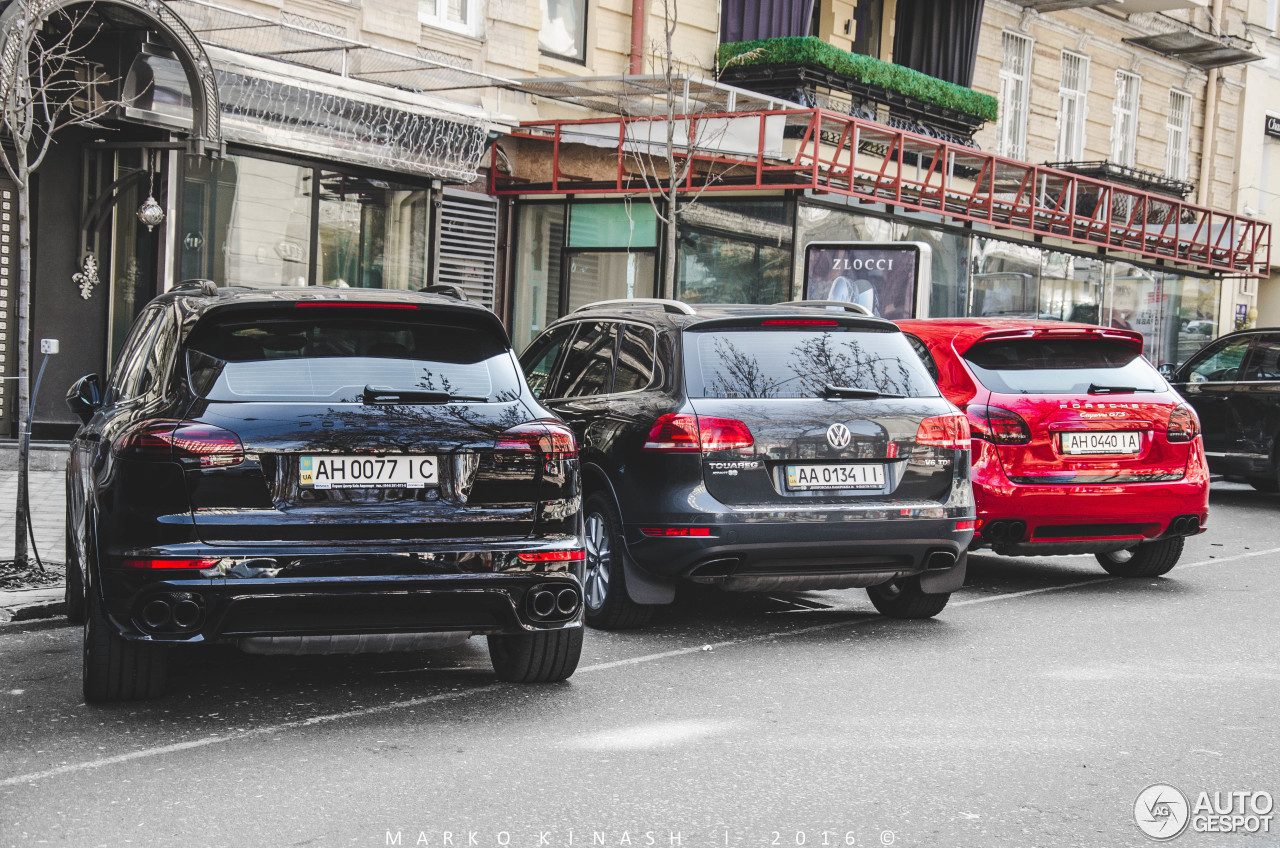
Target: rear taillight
x,y
1183,424
998,426
554,556
550,439
684,433
151,564
200,445
675,531
944,431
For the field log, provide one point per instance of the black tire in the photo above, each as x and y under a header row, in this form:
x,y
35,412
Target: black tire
x,y
545,657
605,600
903,598
116,669
73,594
1148,559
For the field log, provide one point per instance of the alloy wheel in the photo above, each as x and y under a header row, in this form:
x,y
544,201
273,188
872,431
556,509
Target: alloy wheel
x,y
599,558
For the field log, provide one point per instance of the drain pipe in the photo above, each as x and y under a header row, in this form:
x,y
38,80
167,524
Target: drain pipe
x,y
638,12
1210,116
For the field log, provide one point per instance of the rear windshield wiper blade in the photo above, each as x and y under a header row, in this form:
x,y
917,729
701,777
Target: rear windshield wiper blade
x,y
384,395
831,391
1095,389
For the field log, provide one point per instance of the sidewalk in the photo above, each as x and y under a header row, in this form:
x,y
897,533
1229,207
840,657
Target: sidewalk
x,y
48,516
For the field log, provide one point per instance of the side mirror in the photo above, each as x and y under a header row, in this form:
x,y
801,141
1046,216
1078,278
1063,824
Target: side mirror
x,y
1166,370
85,397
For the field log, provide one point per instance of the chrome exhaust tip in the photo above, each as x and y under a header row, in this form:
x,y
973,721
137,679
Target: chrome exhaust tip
x,y
543,603
567,602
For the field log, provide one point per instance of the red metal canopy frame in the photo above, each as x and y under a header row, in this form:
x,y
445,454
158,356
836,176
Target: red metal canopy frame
x,y
827,152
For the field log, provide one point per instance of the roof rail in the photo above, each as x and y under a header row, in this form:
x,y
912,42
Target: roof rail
x,y
675,307
857,308
446,289
204,287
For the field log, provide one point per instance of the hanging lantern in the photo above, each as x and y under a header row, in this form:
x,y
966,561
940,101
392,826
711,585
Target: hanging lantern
x,y
151,213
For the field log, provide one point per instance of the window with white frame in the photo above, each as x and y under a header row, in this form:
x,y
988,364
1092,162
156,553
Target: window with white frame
x,y
458,15
1124,125
1273,16
1178,155
1072,95
1015,89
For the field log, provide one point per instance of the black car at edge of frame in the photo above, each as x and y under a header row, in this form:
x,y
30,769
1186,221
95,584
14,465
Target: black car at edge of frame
x,y
319,471
756,448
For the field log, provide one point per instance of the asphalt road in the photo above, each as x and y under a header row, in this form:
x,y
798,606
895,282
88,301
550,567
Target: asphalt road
x,y
1032,712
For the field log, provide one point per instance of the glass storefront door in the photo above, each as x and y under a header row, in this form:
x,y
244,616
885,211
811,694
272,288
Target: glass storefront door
x,y
592,275
133,269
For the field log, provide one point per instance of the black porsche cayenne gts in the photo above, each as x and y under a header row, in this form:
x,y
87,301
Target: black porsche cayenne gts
x,y
319,471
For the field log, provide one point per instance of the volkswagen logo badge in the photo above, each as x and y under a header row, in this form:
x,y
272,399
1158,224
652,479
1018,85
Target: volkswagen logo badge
x,y
838,436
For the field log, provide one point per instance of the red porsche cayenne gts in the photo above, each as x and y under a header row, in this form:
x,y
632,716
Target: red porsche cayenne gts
x,y
1079,445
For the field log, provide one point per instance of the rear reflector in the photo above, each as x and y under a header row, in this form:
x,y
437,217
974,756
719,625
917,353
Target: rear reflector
x,y
169,563
798,322
944,431
684,433
1183,424
550,438
970,524
676,531
554,556
200,445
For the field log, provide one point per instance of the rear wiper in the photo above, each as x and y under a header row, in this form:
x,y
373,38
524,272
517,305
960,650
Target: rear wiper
x,y
383,395
1095,389
830,391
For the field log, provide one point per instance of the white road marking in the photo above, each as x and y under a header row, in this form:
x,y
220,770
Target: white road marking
x,y
204,742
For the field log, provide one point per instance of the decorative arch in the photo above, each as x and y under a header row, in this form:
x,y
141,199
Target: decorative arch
x,y
206,123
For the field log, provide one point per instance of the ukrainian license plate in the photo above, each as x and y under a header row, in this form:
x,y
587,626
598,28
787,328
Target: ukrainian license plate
x,y
835,476
364,472
1101,443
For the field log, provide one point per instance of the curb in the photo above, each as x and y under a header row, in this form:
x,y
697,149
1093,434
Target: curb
x,y
45,602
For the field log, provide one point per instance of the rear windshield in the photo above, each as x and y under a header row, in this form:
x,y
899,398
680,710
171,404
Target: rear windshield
x,y
331,357
786,363
1062,366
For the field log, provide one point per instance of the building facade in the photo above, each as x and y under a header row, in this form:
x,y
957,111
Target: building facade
x,y
516,149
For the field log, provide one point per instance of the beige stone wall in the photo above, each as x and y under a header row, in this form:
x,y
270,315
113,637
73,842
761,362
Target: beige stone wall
x,y
1099,35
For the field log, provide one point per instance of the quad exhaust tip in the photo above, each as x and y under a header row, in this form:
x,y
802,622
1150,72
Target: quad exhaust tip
x,y
1185,525
553,603
171,612
1003,530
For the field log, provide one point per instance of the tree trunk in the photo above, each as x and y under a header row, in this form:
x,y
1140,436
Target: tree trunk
x,y
24,353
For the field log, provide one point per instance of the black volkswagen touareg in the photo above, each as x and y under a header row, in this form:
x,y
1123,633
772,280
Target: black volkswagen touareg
x,y
319,471
756,448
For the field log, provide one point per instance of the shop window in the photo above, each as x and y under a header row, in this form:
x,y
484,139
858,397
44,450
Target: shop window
x,y
370,233
458,15
539,247
1071,288
1072,94
1124,128
1176,315
246,221
1006,280
613,225
735,252
592,275
1015,91
1179,128
564,29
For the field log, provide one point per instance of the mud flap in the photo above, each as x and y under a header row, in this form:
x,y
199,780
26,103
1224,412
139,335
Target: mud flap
x,y
938,582
644,588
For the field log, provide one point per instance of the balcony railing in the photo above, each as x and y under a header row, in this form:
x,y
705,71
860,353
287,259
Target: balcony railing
x,y
827,152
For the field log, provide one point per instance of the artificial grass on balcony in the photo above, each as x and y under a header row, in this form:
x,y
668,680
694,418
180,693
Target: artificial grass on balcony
x,y
865,69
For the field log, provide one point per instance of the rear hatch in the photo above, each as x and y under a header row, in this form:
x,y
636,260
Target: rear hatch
x,y
1078,406
804,410
346,423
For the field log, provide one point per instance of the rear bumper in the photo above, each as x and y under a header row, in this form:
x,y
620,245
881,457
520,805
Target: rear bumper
x,y
815,550
1082,518
340,591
